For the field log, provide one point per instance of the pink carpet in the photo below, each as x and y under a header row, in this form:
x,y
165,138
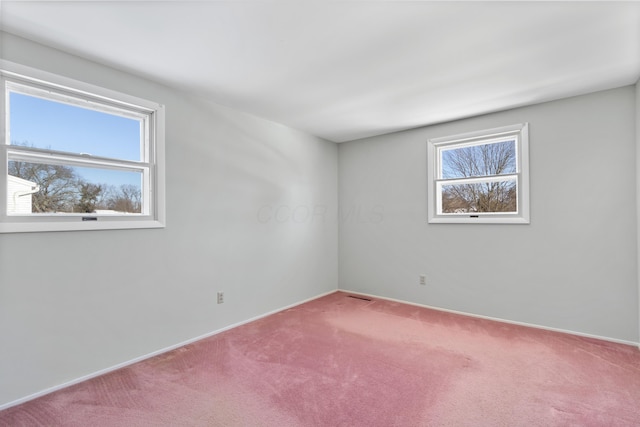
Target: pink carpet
x,y
341,361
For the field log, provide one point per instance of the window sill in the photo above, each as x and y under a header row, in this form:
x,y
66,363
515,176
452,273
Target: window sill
x,y
468,219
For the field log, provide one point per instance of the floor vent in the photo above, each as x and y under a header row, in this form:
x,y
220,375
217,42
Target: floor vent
x,y
362,298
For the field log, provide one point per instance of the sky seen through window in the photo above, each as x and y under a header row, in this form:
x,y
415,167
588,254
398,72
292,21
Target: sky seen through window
x,y
47,124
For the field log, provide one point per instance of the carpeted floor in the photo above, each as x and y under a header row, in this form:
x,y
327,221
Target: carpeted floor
x,y
342,361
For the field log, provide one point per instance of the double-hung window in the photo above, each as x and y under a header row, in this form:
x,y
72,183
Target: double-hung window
x,y
77,157
479,177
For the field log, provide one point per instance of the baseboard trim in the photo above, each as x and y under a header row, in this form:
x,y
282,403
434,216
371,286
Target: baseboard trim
x,y
497,319
153,354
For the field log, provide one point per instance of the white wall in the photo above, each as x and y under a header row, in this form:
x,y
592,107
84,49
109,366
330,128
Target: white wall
x,y
572,268
73,303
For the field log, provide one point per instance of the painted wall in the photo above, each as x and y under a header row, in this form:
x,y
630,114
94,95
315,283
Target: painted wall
x,y
251,211
573,268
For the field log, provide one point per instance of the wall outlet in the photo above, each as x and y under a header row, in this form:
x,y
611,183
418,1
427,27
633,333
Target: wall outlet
x,y
220,297
423,279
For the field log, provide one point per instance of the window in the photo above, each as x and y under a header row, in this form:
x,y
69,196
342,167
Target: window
x,y
76,156
480,177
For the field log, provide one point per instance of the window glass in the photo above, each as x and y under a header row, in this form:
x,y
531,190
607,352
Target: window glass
x,y
59,188
496,158
51,125
493,196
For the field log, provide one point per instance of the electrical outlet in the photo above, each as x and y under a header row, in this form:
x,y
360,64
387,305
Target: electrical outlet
x,y
220,297
423,279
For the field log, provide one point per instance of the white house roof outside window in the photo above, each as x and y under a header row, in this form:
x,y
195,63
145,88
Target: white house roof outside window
x,y
19,195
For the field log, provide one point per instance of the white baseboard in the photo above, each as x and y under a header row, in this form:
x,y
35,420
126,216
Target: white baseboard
x,y
497,319
152,354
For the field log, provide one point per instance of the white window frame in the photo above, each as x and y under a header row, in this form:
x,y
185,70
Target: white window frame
x,y
27,80
435,146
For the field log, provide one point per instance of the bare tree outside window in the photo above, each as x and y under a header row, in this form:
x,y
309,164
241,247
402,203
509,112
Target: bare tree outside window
x,y
57,185
62,189
477,161
126,198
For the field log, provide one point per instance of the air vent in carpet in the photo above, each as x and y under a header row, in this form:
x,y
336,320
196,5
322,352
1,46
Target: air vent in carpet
x,y
362,298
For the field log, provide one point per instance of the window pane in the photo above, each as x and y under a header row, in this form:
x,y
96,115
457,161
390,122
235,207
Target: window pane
x,y
496,196
48,188
496,158
41,123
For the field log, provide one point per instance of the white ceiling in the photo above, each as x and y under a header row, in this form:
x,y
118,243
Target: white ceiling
x,y
344,70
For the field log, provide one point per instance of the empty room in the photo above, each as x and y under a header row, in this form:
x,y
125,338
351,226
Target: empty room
x,y
319,213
